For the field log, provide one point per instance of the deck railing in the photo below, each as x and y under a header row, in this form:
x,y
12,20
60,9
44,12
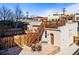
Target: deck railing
x,y
76,40
10,32
34,37
25,39
7,42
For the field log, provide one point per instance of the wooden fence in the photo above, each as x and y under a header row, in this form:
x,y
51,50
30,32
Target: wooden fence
x,y
10,32
25,39
7,42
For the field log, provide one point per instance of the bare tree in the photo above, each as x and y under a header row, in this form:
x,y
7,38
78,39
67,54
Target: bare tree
x,y
5,13
18,12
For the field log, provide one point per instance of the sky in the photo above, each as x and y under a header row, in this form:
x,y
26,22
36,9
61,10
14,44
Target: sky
x,y
43,9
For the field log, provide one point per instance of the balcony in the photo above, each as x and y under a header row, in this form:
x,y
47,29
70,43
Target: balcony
x,y
55,24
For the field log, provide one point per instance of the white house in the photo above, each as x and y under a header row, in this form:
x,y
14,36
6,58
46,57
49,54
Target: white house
x,y
77,16
62,37
53,17
34,25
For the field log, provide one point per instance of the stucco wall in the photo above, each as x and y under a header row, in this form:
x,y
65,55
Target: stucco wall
x,y
56,37
67,33
64,37
52,16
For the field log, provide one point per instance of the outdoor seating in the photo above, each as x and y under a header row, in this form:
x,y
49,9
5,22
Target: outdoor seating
x,y
33,47
36,47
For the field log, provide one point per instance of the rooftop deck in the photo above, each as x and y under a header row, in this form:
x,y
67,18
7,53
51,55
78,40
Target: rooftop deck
x,y
47,49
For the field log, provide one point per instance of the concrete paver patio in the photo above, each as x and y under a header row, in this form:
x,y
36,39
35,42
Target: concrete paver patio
x,y
47,49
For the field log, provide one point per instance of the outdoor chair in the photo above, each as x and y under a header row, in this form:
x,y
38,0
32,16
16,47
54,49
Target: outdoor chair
x,y
33,48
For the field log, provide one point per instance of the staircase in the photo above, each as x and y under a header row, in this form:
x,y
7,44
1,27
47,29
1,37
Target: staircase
x,y
35,37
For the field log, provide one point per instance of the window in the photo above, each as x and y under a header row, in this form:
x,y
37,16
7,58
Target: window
x,y
49,19
77,18
70,18
53,20
45,34
55,14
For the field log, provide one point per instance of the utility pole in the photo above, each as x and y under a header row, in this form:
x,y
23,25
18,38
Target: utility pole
x,y
27,14
64,10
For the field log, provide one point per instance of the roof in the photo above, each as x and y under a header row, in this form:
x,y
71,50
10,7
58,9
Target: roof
x,y
41,18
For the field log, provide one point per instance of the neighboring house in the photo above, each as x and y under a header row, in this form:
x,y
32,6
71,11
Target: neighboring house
x,y
77,19
40,19
4,24
33,19
34,22
77,16
24,19
34,25
61,36
21,25
10,28
54,17
71,17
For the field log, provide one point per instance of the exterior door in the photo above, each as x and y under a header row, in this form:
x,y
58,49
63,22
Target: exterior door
x,y
52,38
